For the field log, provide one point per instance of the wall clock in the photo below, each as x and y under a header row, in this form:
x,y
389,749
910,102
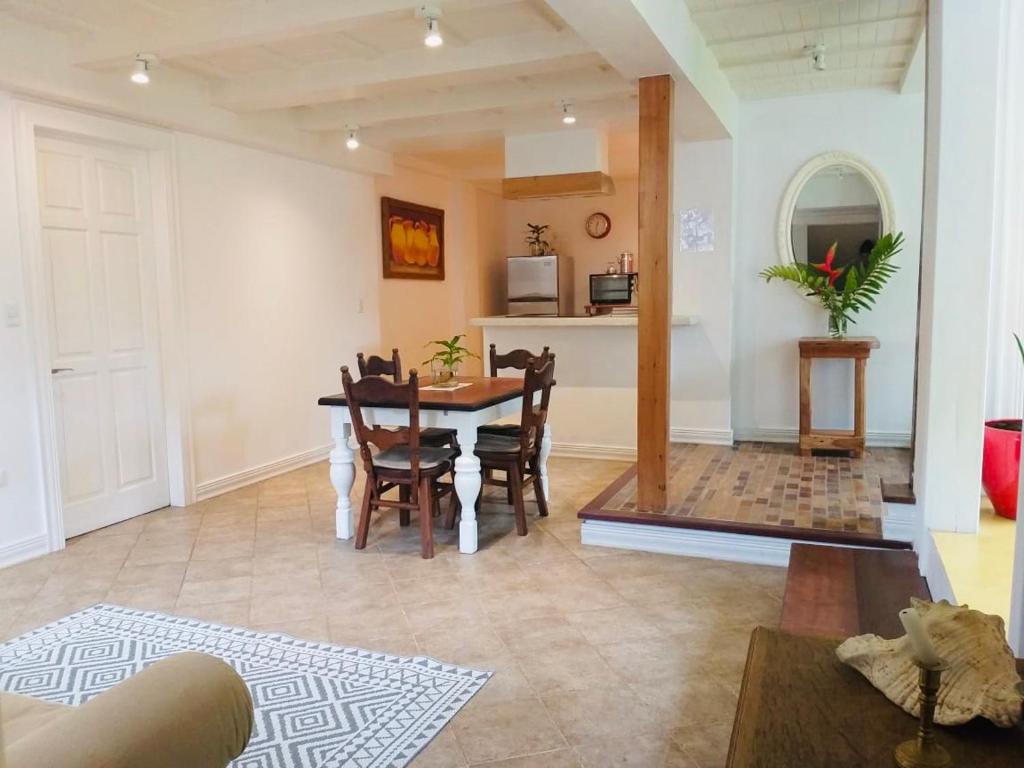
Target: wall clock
x,y
598,225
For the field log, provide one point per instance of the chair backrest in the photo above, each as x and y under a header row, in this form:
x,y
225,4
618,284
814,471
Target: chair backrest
x,y
374,365
538,378
378,391
518,359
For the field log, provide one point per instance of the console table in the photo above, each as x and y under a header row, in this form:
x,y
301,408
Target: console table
x,y
800,706
857,349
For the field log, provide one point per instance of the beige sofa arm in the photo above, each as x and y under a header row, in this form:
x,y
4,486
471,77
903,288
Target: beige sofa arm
x,y
187,711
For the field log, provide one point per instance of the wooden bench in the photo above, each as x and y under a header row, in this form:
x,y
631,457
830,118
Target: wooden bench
x,y
841,591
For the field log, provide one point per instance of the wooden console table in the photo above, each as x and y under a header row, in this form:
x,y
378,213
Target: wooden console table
x,y
800,706
857,349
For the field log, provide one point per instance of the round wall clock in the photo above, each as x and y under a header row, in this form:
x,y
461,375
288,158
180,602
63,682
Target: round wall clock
x,y
598,225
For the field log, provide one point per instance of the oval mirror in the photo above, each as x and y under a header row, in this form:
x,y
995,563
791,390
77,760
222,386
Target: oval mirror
x,y
834,198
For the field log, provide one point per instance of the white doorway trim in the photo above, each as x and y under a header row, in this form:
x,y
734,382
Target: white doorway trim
x,y
35,119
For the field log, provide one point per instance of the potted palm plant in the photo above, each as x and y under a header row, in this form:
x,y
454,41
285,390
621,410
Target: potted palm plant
x,y
861,284
535,238
444,363
1000,463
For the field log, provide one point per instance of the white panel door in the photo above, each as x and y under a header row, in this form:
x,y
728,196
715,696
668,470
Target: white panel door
x,y
97,247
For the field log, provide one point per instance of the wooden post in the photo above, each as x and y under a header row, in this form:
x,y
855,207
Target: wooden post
x,y
805,400
654,333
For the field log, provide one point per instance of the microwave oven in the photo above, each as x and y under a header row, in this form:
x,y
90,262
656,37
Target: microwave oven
x,y
612,289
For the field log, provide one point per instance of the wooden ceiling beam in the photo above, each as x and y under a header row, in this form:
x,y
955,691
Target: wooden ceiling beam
x,y
228,26
721,42
405,105
328,81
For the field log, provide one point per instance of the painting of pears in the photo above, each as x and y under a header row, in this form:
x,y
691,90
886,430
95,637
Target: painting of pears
x,y
412,236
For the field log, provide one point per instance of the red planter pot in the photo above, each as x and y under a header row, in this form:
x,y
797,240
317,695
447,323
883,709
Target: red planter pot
x,y
1000,466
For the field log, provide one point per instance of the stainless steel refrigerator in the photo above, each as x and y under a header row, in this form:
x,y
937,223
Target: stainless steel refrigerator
x,y
540,285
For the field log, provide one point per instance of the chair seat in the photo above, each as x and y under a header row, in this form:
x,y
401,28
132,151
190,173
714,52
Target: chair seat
x,y
504,430
497,444
436,436
398,458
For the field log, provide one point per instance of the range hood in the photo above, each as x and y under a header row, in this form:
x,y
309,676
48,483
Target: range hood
x,y
568,163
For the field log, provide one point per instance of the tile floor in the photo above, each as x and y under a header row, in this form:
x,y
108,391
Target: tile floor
x,y
602,657
771,484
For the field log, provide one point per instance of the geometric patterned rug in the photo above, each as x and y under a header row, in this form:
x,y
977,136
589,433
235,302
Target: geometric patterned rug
x,y
317,705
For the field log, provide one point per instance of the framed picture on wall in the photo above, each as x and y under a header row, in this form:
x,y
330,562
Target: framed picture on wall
x,y
412,237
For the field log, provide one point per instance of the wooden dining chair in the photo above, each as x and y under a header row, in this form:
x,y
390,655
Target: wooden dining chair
x,y
519,456
400,460
517,359
374,365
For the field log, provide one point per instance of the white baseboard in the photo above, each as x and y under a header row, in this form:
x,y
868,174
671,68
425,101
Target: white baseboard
x,y
734,547
874,439
934,571
702,436
26,549
585,451
900,522
238,480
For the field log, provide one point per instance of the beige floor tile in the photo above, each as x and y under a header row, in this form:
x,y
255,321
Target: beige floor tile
x,y
585,715
215,591
568,669
633,753
442,752
559,758
506,729
708,745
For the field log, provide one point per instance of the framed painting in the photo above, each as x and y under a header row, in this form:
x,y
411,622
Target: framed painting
x,y
412,237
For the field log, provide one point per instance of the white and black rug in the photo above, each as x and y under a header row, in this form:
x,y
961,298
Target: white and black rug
x,y
317,705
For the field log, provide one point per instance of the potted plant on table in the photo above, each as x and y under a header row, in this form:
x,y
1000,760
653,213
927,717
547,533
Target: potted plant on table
x,y
861,284
535,239
444,363
1000,463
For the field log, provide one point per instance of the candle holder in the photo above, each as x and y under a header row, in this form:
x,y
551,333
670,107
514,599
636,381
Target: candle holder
x,y
924,751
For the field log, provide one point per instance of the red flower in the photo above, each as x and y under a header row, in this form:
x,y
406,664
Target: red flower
x,y
827,268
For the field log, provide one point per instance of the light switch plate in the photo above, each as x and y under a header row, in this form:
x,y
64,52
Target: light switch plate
x,y
12,315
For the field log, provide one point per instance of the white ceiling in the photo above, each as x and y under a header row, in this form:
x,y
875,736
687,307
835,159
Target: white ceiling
x,y
760,44
505,67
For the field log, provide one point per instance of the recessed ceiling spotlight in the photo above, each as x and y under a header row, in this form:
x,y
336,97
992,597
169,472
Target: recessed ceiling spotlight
x,y
433,38
817,54
140,74
352,142
568,115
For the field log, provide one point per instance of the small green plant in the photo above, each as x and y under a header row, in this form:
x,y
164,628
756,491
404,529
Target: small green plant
x,y
535,237
864,281
451,353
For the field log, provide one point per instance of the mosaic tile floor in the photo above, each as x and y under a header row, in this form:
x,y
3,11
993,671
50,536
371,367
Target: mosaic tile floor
x,y
770,484
601,657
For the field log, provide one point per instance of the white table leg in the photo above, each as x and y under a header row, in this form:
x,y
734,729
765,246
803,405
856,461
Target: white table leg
x,y
545,451
468,482
343,471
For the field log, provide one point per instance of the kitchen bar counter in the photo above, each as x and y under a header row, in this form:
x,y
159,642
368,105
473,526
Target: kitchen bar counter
x,y
593,409
598,321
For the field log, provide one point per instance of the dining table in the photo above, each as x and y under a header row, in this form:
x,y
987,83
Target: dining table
x,y
471,403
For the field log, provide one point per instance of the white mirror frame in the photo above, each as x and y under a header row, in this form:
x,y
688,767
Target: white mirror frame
x,y
784,236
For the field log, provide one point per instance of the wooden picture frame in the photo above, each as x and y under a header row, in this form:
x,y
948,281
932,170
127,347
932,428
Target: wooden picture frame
x,y
412,240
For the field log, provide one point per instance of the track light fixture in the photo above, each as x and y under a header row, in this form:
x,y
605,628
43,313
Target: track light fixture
x,y
433,38
140,73
568,114
352,142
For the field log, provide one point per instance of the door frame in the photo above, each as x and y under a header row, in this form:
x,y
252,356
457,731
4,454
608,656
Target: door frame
x,y
33,119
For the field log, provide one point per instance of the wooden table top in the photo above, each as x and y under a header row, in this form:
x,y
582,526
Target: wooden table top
x,y
800,706
483,392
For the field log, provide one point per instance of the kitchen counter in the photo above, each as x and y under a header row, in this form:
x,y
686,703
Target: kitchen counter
x,y
598,321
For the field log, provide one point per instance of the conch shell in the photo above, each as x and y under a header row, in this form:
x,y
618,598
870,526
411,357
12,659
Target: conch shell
x,y
982,677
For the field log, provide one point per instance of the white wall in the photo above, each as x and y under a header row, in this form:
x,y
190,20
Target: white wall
x,y
776,137
280,260
701,354
21,497
960,225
